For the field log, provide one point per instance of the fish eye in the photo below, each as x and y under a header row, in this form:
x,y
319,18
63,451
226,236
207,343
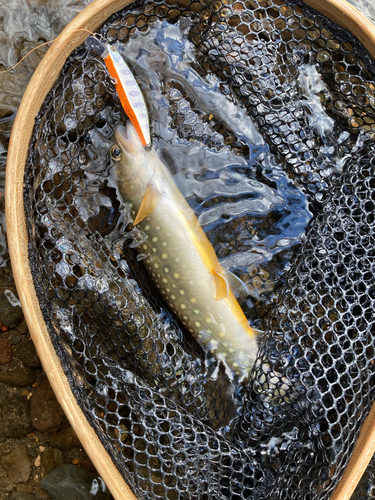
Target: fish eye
x,y
115,153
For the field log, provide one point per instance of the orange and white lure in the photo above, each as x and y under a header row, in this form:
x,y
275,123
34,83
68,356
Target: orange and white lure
x,y
126,86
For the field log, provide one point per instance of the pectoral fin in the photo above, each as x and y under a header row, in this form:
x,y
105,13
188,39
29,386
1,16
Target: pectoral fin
x,y
221,285
148,204
237,286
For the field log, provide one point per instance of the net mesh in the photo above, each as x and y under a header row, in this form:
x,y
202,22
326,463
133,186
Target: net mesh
x,y
168,413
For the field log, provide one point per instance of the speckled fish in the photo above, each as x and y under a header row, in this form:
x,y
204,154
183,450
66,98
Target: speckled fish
x,y
126,86
179,257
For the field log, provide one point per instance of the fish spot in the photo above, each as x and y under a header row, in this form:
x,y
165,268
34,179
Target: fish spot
x,y
164,243
156,265
173,297
166,269
193,300
196,311
147,227
154,239
145,247
208,331
182,292
152,274
163,292
158,275
165,281
231,349
176,275
177,259
157,228
208,320
148,261
225,344
183,306
221,334
235,364
164,256
185,317
197,324
154,249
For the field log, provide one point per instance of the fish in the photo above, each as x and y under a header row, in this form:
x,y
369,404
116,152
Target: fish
x,y
179,257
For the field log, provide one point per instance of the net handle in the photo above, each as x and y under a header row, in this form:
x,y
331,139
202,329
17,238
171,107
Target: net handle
x,y
42,81
40,84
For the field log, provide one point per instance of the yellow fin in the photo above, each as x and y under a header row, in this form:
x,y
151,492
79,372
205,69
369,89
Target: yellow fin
x,y
221,285
237,286
148,204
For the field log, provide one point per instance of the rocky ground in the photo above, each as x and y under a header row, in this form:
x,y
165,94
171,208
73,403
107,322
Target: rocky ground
x,y
40,455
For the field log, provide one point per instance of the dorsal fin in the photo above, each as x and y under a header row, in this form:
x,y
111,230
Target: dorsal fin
x,y
148,204
221,285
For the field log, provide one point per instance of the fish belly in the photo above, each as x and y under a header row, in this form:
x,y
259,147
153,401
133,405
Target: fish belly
x,y
186,284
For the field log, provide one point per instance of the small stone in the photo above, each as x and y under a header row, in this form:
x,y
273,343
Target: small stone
x,y
32,450
37,461
17,465
41,448
45,411
51,458
20,376
68,481
22,327
5,351
15,421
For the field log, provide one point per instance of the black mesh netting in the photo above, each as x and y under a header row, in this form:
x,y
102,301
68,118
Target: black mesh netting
x,y
174,422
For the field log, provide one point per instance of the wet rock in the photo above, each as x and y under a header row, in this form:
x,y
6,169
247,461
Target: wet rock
x,y
5,483
51,458
65,439
9,315
5,351
15,421
26,353
20,495
45,411
39,492
20,376
73,483
22,327
17,464
27,487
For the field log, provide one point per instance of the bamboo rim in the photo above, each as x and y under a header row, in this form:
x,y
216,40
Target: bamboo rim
x,y
42,81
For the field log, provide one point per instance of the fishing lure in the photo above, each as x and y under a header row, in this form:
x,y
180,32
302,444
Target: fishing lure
x,y
126,86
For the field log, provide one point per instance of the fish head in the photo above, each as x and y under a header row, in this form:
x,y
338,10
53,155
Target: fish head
x,y
134,166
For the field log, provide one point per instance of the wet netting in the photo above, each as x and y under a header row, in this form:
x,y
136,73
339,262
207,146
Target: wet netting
x,y
275,104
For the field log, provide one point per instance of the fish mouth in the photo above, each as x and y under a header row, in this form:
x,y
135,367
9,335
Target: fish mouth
x,y
124,137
